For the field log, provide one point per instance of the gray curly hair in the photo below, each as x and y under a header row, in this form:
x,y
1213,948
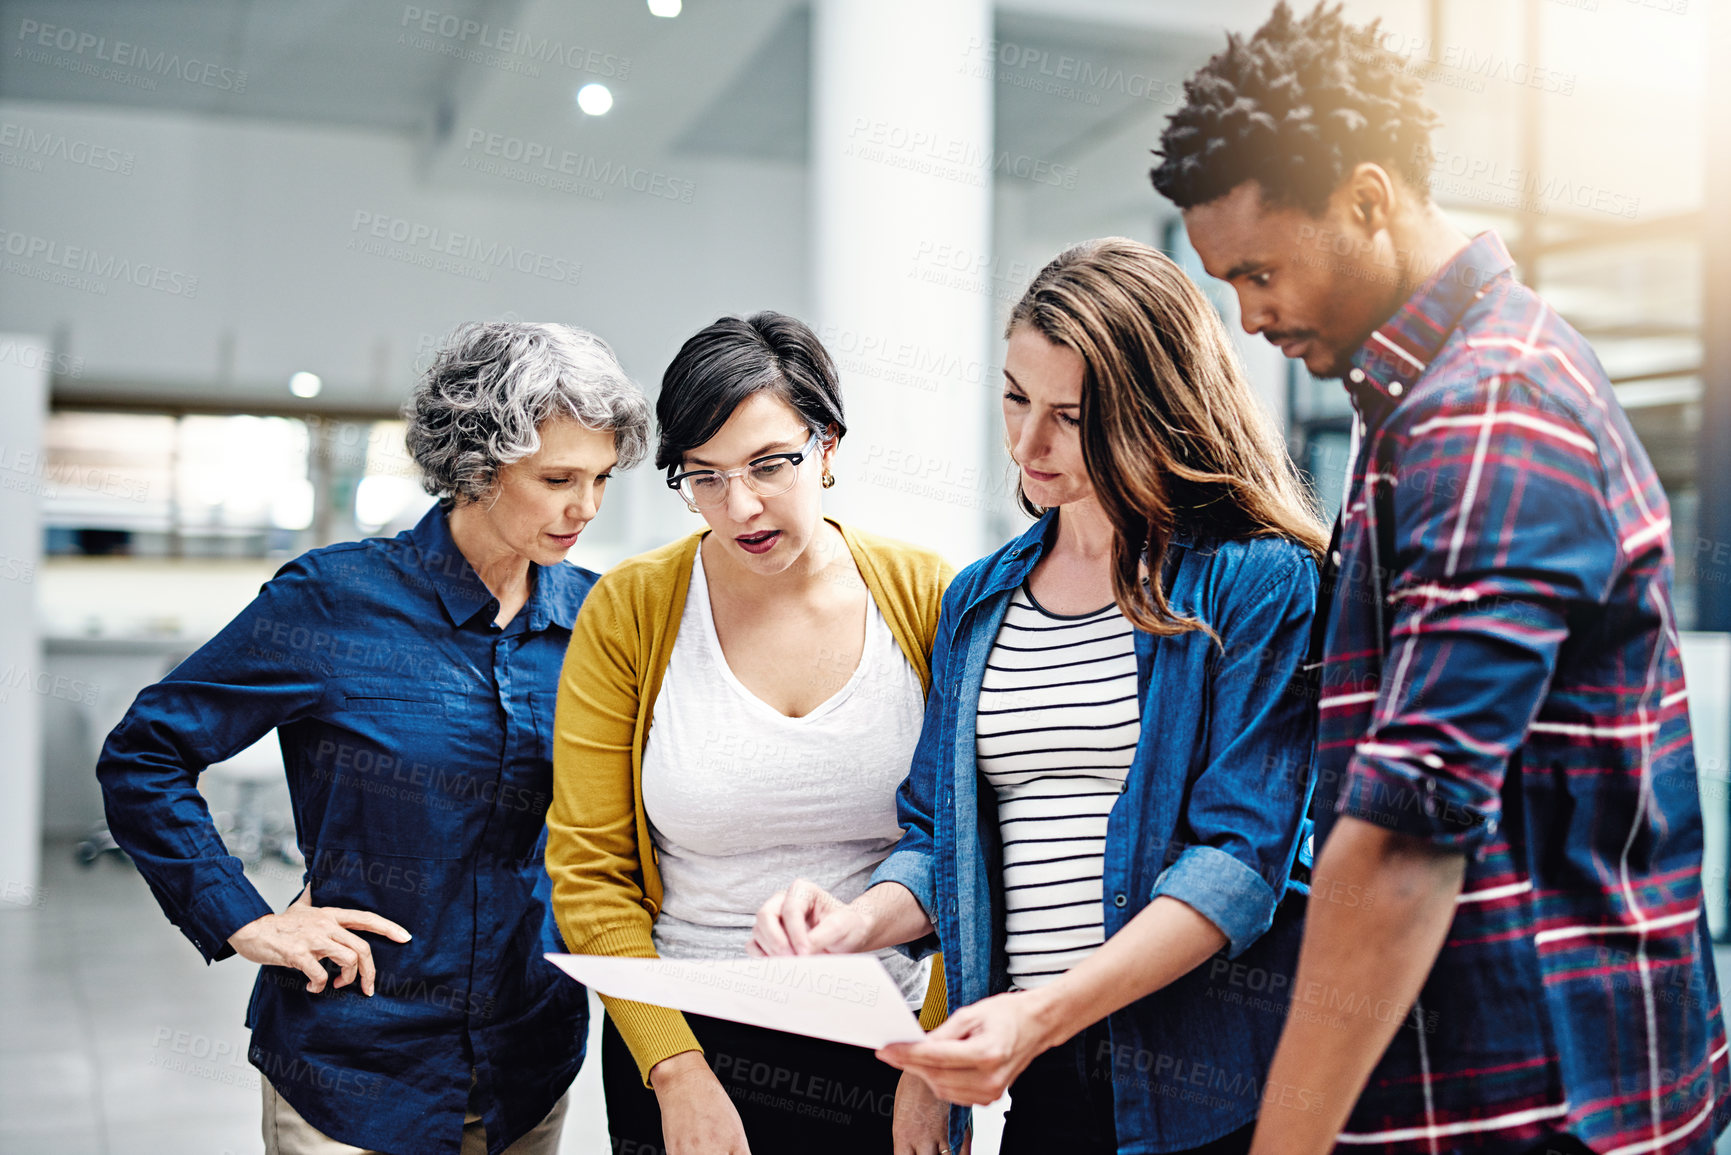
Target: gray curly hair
x,y
481,404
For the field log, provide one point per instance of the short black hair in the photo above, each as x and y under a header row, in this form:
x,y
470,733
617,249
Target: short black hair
x,y
1295,108
725,363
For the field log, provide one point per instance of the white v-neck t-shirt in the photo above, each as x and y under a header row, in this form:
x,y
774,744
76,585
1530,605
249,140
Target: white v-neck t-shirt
x,y
742,799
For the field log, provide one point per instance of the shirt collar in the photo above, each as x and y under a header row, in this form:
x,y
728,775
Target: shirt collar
x,y
461,590
1019,558
556,602
1385,367
1016,560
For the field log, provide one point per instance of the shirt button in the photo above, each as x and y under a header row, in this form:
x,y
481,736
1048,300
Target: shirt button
x,y
1355,376
1119,900
1395,388
1337,557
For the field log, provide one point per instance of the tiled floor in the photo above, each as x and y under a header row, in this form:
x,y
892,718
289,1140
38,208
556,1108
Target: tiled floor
x,y
116,1039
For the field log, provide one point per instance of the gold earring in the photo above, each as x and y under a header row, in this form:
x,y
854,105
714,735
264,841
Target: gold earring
x,y
828,479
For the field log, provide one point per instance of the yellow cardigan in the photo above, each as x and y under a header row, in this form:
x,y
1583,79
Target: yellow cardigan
x,y
606,891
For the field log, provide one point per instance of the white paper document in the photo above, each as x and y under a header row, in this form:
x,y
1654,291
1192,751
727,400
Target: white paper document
x,y
848,998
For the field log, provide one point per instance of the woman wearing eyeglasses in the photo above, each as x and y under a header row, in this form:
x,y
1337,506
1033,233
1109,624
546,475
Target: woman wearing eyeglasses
x,y
737,708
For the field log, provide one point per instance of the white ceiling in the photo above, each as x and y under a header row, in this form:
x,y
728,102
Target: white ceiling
x,y
731,79
727,78
311,61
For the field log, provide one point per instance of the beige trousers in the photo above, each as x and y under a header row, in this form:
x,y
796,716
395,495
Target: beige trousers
x,y
286,1133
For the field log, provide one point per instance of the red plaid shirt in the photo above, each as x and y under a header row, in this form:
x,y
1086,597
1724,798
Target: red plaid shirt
x,y
1501,675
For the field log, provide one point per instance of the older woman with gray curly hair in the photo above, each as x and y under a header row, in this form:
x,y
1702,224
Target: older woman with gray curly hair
x,y
403,1003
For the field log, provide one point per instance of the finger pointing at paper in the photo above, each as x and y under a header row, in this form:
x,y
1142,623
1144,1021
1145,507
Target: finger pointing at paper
x,y
806,919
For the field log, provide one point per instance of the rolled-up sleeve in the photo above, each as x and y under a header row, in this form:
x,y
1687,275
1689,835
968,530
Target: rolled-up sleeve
x,y
1246,808
911,866
230,693
1500,528
1223,890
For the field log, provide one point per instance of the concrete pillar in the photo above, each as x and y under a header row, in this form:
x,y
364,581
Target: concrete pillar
x,y
25,362
1713,462
901,179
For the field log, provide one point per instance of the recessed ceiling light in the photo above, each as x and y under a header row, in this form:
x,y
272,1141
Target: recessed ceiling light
x,y
304,384
594,99
665,8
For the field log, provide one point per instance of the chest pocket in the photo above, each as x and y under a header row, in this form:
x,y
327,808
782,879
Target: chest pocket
x,y
384,770
543,705
527,788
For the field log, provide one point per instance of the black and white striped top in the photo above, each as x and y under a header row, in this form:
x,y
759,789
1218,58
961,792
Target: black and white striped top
x,y
1058,723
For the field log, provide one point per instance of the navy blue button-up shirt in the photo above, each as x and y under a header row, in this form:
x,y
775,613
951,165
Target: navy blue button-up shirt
x,y
415,734
1502,676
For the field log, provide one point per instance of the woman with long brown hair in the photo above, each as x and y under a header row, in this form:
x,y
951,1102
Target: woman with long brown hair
x,y
1103,824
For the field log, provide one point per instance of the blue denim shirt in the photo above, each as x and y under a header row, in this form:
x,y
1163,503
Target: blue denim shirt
x,y
415,735
1213,814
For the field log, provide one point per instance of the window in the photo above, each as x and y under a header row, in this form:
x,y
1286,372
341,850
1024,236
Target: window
x,y
236,485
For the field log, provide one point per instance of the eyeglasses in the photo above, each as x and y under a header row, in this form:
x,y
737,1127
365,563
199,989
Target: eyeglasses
x,y
766,476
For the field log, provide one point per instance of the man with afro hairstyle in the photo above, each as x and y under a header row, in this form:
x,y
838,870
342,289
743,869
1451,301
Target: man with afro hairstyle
x,y
1506,947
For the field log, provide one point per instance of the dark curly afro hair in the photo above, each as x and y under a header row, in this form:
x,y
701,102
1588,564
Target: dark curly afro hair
x,y
1295,108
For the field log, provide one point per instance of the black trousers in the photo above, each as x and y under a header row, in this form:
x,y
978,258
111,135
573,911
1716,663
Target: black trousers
x,y
793,1093
1063,1102
1560,1145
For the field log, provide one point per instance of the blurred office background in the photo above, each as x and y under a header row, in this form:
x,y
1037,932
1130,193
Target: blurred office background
x,y
231,233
